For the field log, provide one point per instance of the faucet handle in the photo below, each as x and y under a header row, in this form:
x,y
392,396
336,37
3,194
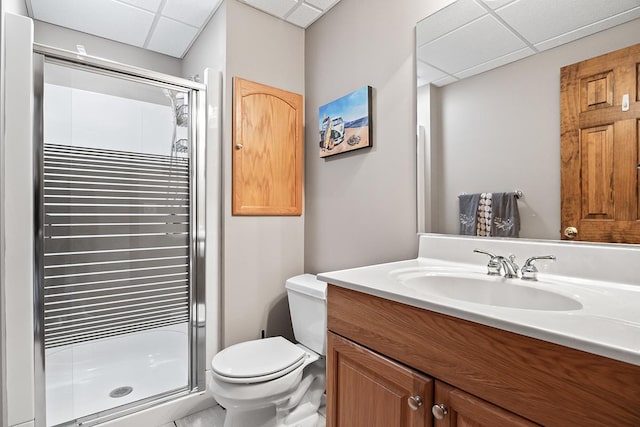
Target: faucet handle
x,y
493,267
480,251
529,270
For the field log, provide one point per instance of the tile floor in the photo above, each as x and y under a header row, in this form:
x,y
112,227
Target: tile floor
x,y
211,417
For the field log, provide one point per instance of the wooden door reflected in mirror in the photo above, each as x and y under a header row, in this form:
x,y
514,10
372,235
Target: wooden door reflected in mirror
x,y
600,127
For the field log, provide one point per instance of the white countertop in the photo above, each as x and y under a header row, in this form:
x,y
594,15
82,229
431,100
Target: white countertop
x,y
608,323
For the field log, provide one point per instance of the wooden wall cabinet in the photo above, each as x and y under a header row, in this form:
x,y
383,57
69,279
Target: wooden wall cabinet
x,y
485,377
267,150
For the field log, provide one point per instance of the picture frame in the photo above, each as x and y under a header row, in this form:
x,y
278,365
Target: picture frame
x,y
345,124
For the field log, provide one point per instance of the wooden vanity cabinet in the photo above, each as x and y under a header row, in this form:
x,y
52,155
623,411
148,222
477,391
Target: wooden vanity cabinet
x,y
465,410
483,375
368,390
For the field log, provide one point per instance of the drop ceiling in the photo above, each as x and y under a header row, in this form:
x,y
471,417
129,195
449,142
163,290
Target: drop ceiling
x,y
469,37
165,26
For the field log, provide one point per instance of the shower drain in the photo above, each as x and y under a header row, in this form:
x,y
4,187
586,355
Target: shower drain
x,y
120,391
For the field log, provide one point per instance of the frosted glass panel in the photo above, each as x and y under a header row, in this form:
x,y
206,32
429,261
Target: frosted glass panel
x,y
117,279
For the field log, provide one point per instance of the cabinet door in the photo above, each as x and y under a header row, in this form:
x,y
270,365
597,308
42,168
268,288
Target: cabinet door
x,y
267,150
365,389
455,408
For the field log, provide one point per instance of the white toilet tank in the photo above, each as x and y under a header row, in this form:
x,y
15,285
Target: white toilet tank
x,y
308,308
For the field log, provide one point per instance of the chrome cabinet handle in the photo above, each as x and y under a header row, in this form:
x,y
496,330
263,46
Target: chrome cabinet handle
x,y
439,411
239,146
415,402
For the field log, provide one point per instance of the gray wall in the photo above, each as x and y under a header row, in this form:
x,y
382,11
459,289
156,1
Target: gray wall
x,y
361,206
260,253
64,38
500,131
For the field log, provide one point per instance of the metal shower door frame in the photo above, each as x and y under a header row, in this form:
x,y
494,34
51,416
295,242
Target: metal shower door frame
x,y
197,136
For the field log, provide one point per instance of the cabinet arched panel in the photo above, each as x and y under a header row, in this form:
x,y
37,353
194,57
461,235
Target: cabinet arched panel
x,y
267,150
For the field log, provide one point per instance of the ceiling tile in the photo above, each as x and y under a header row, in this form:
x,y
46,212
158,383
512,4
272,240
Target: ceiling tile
x,y
150,5
444,81
192,12
495,63
525,16
132,21
589,29
490,40
171,37
494,4
427,73
105,18
304,15
448,19
278,8
322,4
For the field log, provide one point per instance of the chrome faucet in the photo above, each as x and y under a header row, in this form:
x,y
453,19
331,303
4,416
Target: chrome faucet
x,y
498,263
510,267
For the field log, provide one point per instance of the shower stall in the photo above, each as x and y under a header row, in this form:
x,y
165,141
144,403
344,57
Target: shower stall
x,y
119,155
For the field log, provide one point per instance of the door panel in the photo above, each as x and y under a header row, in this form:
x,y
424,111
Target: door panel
x,y
599,147
465,410
597,167
366,389
598,91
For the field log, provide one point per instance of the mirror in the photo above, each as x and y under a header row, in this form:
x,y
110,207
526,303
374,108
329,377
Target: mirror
x,y
489,100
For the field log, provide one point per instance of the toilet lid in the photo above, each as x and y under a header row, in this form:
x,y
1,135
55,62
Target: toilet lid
x,y
258,360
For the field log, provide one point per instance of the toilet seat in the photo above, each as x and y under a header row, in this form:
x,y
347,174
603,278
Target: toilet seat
x,y
257,361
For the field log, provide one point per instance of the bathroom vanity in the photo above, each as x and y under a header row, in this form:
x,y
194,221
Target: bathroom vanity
x,y
399,357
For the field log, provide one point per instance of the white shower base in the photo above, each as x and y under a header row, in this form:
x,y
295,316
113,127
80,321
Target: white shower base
x,y
80,377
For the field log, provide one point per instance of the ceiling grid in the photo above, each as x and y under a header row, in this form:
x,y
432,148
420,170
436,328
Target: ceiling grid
x,y
469,37
166,26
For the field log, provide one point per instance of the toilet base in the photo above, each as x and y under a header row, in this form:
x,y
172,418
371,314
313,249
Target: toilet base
x,y
294,409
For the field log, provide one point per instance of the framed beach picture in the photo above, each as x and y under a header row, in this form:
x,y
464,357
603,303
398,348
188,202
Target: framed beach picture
x,y
345,124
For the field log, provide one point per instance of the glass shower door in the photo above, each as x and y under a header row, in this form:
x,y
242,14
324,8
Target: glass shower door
x,y
117,283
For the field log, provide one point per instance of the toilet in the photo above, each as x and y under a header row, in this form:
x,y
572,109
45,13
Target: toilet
x,y
273,382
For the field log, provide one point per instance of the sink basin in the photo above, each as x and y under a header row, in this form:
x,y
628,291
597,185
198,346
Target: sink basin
x,y
488,290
